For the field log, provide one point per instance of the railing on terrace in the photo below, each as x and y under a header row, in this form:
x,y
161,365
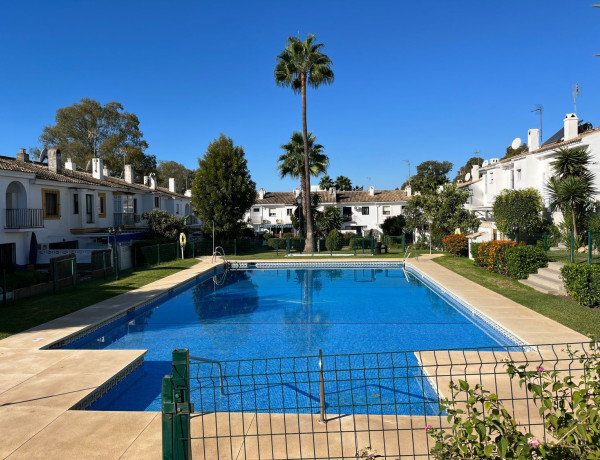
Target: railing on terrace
x,y
23,218
271,408
125,219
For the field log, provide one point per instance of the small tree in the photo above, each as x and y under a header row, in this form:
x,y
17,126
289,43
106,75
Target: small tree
x,y
518,211
334,241
393,225
223,190
330,219
165,225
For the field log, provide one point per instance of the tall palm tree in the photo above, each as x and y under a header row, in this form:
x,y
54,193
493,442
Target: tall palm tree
x,y
326,183
302,63
343,183
571,189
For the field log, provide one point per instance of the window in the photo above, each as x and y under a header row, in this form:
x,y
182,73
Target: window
x,y
272,213
176,208
256,210
76,204
491,178
387,210
51,204
157,202
518,174
288,211
365,210
89,208
346,211
101,204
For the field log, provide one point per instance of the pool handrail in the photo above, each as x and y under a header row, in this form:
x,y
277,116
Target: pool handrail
x,y
212,361
219,251
408,251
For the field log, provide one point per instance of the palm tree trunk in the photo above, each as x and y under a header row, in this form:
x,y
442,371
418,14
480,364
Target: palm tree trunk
x,y
308,246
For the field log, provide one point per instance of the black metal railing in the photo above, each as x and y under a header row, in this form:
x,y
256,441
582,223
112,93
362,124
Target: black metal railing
x,y
122,219
24,218
332,406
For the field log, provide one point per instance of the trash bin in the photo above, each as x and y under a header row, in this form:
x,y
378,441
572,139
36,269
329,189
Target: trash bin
x,y
377,248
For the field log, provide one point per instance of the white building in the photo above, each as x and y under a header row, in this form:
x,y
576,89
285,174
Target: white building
x,y
362,210
531,169
67,208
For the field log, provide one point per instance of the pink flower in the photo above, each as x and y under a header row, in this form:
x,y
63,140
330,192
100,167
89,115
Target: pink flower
x,y
540,369
428,427
533,442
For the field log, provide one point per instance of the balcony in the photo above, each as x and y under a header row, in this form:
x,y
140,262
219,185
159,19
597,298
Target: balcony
x,y
23,218
125,219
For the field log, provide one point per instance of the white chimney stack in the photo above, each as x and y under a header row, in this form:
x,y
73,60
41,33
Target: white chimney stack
x,y
54,160
261,193
105,171
571,125
296,192
408,190
70,165
372,190
533,139
97,168
152,178
129,174
475,172
172,184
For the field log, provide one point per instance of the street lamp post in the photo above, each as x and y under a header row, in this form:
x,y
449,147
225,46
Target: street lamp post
x,y
299,202
114,231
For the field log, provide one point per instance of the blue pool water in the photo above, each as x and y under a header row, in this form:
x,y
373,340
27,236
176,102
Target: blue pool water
x,y
244,316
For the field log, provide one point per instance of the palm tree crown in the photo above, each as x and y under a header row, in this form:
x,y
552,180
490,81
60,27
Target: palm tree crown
x,y
326,183
343,183
291,163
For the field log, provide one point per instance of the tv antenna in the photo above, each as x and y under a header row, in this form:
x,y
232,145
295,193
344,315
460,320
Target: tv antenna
x,y
408,162
576,94
539,108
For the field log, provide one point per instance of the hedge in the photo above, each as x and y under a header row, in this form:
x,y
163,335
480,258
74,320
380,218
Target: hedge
x,y
475,250
334,241
456,244
524,260
492,255
582,283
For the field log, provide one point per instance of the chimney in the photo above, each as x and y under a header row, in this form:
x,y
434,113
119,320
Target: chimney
x,y
533,139
261,193
105,171
70,165
152,178
333,194
146,181
23,155
97,168
475,172
408,190
54,161
296,192
129,174
372,190
571,123
172,185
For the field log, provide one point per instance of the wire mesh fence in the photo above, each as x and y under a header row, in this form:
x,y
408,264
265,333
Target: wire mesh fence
x,y
330,407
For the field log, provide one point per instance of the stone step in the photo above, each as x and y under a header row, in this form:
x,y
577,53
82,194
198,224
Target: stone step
x,y
554,284
541,287
553,267
546,276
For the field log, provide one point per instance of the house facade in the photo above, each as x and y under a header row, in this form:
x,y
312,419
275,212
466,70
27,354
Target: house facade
x,y
362,210
53,207
531,169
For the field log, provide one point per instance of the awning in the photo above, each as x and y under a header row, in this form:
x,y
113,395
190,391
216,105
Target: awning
x,y
275,226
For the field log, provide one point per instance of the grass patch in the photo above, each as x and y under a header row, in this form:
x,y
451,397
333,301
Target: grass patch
x,y
268,253
561,309
23,314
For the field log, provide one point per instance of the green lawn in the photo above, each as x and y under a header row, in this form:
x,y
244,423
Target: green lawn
x,y
561,309
268,253
26,313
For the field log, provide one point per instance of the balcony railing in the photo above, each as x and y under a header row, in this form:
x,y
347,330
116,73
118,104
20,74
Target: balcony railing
x,y
24,218
124,219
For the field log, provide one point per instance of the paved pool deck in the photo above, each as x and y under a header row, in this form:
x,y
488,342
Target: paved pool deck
x,y
40,387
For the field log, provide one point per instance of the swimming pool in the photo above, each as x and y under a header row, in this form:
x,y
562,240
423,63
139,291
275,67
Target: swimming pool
x,y
245,316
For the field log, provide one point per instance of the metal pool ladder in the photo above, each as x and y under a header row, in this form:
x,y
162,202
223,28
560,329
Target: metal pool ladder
x,y
410,249
219,252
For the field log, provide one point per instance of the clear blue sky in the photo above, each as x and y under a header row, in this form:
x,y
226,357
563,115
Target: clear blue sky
x,y
413,80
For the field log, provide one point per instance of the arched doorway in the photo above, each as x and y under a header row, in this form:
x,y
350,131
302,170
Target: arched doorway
x,y
16,196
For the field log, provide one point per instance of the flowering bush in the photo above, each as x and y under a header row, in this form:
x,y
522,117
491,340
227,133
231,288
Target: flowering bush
x,y
485,429
456,244
492,255
366,452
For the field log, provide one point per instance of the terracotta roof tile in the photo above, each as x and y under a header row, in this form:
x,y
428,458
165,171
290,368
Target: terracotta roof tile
x,y
380,196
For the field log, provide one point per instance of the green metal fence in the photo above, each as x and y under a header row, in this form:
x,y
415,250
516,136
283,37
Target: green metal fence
x,y
568,248
63,269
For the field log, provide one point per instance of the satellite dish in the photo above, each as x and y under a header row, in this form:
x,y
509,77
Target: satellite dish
x,y
467,177
44,155
516,143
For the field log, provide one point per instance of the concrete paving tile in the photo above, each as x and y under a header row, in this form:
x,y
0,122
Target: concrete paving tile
x,y
8,381
148,445
107,362
86,434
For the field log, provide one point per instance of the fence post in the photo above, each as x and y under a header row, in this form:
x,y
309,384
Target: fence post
x,y
363,244
319,245
372,245
235,246
277,246
74,271
403,242
287,246
354,244
589,247
157,253
572,247
193,249
4,287
55,276
321,389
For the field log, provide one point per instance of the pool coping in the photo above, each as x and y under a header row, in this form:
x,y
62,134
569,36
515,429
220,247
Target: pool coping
x,y
28,366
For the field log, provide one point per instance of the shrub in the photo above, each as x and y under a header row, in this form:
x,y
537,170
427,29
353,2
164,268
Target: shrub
x,y
334,241
456,244
287,235
474,250
348,238
492,255
273,242
582,283
267,235
18,280
523,260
